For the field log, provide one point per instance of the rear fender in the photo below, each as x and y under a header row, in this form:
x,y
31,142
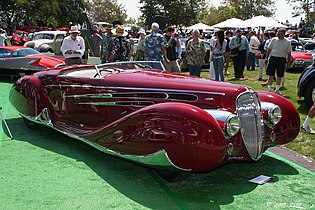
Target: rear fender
x,y
192,138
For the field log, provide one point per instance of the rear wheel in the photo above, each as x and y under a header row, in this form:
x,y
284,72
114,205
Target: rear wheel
x,y
310,93
31,125
173,176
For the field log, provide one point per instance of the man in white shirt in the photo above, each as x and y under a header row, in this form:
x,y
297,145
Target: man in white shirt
x,y
212,46
3,37
253,49
73,47
278,56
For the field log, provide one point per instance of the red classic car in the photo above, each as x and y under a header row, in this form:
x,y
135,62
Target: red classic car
x,y
301,58
16,60
174,123
17,37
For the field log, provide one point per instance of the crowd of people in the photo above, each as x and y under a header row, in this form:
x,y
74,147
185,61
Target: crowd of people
x,y
245,49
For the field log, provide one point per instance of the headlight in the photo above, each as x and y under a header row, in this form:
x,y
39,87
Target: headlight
x,y
275,115
232,125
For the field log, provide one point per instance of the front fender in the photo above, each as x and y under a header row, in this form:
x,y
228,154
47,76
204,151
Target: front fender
x,y
45,48
26,98
289,126
192,138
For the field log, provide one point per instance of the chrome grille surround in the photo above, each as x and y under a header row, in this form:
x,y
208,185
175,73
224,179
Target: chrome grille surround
x,y
248,109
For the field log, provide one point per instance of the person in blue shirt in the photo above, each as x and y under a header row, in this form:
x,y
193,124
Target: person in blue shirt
x,y
239,41
155,45
218,55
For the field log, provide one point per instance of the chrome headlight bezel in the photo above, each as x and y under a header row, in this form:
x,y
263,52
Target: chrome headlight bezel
x,y
275,115
232,125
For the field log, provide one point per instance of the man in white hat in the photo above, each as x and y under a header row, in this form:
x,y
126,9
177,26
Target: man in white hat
x,y
73,47
140,47
121,45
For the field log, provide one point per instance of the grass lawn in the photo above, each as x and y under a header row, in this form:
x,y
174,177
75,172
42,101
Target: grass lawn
x,y
304,143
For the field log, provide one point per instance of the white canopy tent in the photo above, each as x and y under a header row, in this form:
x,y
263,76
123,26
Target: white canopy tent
x,y
230,23
262,21
199,26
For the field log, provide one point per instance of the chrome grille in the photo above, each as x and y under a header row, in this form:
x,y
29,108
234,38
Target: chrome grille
x,y
249,111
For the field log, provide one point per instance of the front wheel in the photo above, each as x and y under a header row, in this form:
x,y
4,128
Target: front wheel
x,y
31,125
310,93
173,176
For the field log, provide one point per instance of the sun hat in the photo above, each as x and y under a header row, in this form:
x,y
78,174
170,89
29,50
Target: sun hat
x,y
216,30
74,29
119,31
141,31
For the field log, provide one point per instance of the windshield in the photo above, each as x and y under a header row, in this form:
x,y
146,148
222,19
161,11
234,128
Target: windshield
x,y
20,33
131,65
5,53
44,36
103,69
24,52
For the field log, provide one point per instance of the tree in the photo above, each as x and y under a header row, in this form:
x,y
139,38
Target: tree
x,y
213,15
303,6
177,12
107,10
58,12
247,9
12,10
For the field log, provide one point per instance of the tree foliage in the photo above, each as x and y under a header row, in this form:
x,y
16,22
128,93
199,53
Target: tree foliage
x,y
107,10
212,15
60,12
177,12
303,7
247,9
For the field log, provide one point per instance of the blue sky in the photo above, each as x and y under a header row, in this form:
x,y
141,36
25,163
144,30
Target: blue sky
x,y
283,10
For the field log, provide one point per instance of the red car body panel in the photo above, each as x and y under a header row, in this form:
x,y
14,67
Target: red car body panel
x,y
32,28
139,113
300,59
13,64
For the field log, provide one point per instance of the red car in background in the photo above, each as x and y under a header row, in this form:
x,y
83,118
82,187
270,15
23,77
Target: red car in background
x,y
17,60
301,58
32,28
17,38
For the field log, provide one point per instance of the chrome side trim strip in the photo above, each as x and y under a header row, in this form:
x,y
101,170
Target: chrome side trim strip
x,y
135,95
101,95
137,88
119,103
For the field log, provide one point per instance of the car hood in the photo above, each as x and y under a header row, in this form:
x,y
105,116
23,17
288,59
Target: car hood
x,y
221,92
303,55
39,42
